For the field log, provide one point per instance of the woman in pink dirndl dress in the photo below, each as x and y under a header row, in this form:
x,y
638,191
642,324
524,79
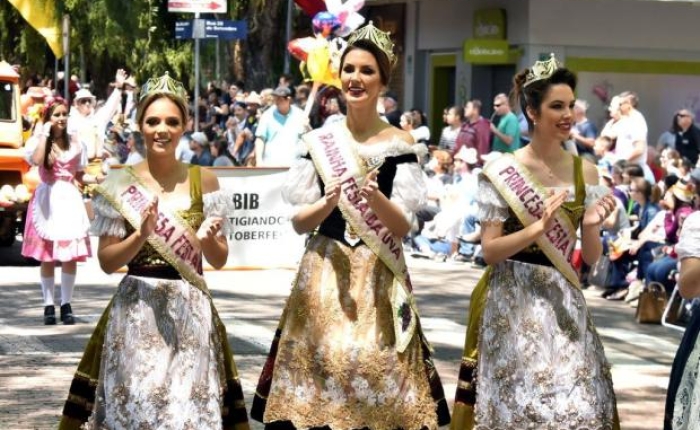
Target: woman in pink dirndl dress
x,y
57,222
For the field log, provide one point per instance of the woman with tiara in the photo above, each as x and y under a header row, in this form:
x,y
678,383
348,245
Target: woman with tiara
x,y
349,352
532,357
159,357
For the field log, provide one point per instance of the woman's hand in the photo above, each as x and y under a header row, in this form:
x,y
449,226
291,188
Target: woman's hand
x,y
149,217
120,77
209,228
332,189
370,189
551,206
598,212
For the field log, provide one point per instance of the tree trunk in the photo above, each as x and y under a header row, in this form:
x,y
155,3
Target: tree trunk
x,y
263,50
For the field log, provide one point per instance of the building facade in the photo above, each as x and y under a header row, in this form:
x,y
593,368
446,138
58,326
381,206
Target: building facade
x,y
455,50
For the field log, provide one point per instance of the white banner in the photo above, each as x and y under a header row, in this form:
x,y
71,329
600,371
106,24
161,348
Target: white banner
x,y
262,236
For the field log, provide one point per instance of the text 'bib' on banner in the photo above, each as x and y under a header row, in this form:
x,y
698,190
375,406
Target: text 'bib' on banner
x,y
261,234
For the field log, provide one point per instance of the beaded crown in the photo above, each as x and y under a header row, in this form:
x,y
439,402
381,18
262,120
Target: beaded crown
x,y
161,85
542,70
378,37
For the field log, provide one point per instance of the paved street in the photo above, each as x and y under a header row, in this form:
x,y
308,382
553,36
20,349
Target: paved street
x,y
37,362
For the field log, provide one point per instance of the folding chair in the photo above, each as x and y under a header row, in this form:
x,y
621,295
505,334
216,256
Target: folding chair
x,y
674,307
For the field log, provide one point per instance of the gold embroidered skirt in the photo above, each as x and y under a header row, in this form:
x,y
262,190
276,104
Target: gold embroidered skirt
x,y
333,362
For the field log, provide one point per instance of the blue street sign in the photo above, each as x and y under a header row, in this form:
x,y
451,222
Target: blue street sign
x,y
224,29
183,30
213,29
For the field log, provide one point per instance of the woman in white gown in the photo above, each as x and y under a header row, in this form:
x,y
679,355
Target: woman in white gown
x,y
683,397
159,357
532,357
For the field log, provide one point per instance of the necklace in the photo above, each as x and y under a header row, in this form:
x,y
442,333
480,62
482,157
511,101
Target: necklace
x,y
547,169
168,183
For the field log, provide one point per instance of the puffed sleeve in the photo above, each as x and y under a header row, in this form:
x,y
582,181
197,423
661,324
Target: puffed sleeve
x,y
492,207
409,191
595,192
689,241
108,221
219,204
301,186
29,148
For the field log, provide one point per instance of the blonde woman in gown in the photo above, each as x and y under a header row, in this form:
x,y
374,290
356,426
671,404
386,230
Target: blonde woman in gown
x,y
159,357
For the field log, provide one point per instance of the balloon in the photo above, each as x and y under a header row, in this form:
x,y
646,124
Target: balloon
x,y
299,48
325,23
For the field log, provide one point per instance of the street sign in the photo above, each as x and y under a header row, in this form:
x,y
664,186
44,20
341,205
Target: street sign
x,y
224,29
183,30
212,29
197,6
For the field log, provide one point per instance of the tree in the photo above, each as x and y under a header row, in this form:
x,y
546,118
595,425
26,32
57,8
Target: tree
x,y
139,35
263,61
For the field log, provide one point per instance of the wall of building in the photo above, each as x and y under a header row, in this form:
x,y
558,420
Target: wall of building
x,y
629,24
445,24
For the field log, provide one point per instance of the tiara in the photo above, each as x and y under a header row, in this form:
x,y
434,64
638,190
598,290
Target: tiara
x,y
542,70
163,85
378,37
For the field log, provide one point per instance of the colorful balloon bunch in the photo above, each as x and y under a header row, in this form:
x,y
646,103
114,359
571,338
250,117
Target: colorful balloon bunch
x,y
320,55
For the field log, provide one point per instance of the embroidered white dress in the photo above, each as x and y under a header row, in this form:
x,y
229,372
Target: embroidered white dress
x,y
164,359
541,363
686,408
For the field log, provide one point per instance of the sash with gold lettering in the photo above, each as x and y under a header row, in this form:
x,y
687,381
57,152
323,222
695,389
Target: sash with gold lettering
x,y
172,238
526,197
334,156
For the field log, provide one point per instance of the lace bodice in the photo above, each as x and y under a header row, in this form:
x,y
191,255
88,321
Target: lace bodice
x,y
492,207
109,222
400,178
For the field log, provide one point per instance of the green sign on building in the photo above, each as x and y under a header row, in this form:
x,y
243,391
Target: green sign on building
x,y
486,51
490,24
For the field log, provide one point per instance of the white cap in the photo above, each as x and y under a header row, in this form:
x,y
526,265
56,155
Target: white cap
x,y
200,138
468,155
83,94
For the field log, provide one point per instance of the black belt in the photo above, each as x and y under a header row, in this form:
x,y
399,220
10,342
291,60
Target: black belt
x,y
532,258
337,234
160,272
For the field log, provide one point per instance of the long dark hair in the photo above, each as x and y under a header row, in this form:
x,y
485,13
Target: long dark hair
x,y
531,96
50,107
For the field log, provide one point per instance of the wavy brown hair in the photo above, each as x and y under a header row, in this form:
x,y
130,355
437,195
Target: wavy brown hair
x,y
49,108
533,95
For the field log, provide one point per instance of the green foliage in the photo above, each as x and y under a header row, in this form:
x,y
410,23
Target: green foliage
x,y
139,35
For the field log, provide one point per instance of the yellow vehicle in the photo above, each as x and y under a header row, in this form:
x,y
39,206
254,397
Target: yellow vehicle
x,y
17,178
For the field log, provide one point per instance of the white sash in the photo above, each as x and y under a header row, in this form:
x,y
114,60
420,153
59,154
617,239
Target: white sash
x,y
526,197
334,155
172,238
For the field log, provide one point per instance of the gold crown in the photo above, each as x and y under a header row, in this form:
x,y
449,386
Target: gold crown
x,y
378,37
162,85
542,70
